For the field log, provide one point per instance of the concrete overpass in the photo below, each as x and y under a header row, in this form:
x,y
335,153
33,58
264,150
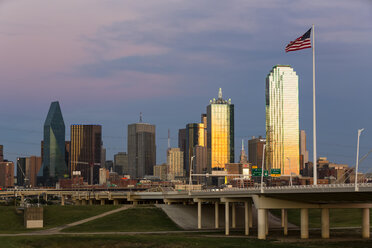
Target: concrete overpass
x,y
324,197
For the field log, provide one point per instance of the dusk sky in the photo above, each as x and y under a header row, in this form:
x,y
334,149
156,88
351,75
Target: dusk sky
x,y
107,61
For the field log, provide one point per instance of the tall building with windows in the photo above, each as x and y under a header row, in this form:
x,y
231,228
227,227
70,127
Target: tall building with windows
x,y
141,149
282,120
175,168
27,170
255,151
220,132
1,153
54,166
121,163
195,136
86,147
304,153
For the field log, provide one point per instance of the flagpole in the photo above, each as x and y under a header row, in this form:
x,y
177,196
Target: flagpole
x,y
315,177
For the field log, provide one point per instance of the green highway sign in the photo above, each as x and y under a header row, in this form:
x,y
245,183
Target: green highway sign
x,y
258,173
276,171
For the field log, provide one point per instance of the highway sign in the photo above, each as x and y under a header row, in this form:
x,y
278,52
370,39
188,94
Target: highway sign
x,y
258,173
275,172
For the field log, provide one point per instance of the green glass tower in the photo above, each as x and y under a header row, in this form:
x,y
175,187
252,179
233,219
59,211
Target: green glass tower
x,y
54,165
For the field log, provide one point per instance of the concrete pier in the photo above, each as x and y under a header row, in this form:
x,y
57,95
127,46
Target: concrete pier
x,y
304,223
325,223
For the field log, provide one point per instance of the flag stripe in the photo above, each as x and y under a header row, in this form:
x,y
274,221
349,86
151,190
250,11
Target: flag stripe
x,y
300,43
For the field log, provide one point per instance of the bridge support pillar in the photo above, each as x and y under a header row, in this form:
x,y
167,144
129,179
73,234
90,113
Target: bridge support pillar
x,y
22,198
227,218
116,202
365,223
250,213
304,223
90,202
325,223
77,202
83,202
62,200
233,215
102,202
199,214
246,216
285,221
261,215
216,215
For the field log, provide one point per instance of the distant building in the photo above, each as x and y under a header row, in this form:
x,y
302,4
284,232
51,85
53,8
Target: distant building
x,y
121,163
141,149
220,132
243,157
54,165
182,144
103,175
282,120
201,161
103,157
175,169
86,147
195,136
27,170
255,151
160,171
109,165
6,174
1,153
304,153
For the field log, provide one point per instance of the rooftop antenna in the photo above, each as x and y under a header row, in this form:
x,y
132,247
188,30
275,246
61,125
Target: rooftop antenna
x,y
140,120
168,138
220,93
242,144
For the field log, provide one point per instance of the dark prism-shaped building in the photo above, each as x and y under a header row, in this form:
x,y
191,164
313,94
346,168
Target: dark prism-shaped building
x,y
54,165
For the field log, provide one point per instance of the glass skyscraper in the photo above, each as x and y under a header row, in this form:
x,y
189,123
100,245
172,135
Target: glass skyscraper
x,y
220,132
54,165
195,136
282,120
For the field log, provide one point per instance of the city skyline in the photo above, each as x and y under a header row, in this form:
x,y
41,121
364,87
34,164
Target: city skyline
x,y
201,52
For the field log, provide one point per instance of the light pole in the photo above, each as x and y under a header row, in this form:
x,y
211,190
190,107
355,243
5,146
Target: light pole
x,y
357,160
190,179
262,166
290,171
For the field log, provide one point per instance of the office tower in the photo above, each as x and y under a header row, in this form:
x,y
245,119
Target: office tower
x,y
200,161
27,170
121,163
103,157
6,174
220,132
141,149
21,172
195,136
304,154
255,151
182,143
175,169
160,171
67,155
86,147
204,120
54,165
282,120
1,153
243,157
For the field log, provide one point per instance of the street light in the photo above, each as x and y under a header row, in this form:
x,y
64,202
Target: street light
x,y
357,161
191,166
262,166
290,171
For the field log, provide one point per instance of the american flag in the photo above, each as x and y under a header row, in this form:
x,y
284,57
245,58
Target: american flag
x,y
302,42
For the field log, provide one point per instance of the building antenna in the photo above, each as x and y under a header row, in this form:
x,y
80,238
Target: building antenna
x,y
242,144
140,120
168,138
220,93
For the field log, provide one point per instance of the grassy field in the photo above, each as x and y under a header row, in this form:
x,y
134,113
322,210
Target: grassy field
x,y
11,222
337,217
130,220
168,241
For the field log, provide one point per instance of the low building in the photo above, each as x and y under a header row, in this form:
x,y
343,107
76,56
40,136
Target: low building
x,y
160,171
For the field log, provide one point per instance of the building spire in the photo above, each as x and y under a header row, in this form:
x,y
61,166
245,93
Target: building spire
x,y
220,93
242,144
168,138
140,120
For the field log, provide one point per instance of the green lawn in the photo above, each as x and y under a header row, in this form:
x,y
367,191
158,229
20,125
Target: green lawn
x,y
130,220
337,217
167,241
11,222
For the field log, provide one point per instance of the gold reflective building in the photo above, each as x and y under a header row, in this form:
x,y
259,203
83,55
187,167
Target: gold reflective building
x,y
220,132
282,120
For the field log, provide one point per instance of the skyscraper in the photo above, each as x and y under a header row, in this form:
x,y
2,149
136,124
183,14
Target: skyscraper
x,y
6,174
175,168
121,163
195,136
141,149
282,120
86,147
304,154
220,132
1,153
27,170
54,165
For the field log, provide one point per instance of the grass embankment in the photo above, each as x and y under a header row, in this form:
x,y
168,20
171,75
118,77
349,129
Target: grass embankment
x,y
167,241
12,222
130,220
337,217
